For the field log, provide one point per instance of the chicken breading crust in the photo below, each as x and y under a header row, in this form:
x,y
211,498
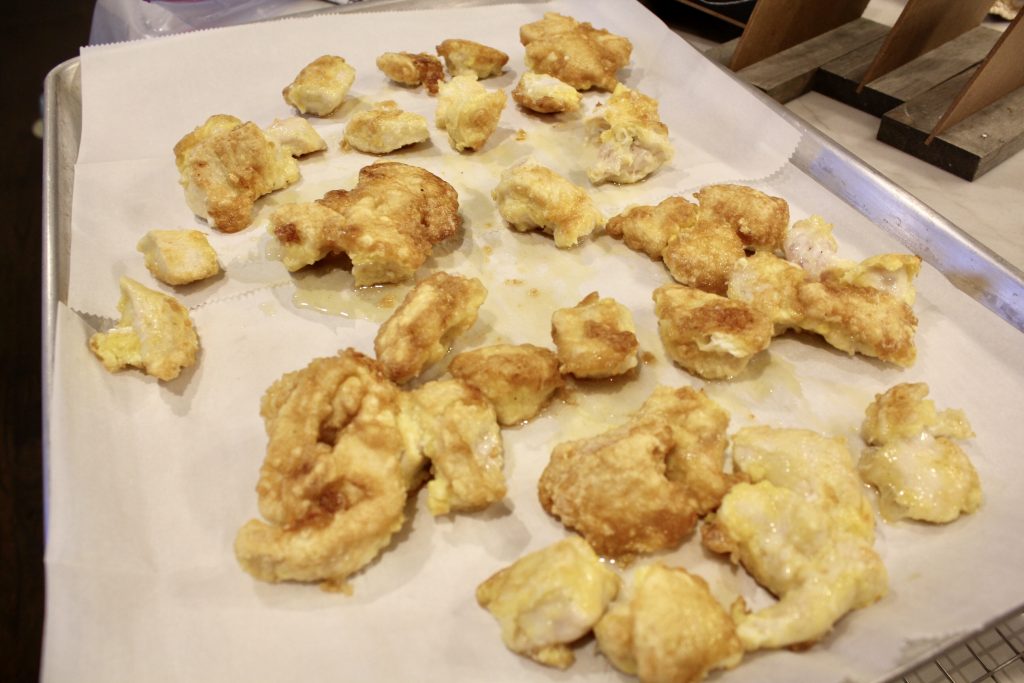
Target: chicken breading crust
x,y
469,57
574,52
412,69
518,380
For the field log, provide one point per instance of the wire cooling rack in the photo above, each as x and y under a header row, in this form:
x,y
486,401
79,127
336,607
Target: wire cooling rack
x,y
993,656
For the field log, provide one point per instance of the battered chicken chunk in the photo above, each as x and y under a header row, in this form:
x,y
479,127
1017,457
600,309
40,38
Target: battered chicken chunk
x,y
468,112
154,334
296,136
468,57
792,547
709,335
770,285
545,94
517,380
412,69
669,629
321,86
226,165
457,430
914,461
533,197
595,339
574,52
330,487
650,228
384,129
420,331
760,219
627,138
703,253
178,257
307,233
890,273
549,599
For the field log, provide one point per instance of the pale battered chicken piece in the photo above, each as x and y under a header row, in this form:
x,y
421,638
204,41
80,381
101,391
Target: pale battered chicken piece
x,y
226,165
809,243
321,86
770,285
296,136
330,486
574,52
532,197
468,112
703,254
626,138
412,69
518,380
468,57
420,331
385,128
668,629
595,339
709,335
457,431
549,599
890,273
178,257
819,468
650,228
545,94
154,334
914,461
760,219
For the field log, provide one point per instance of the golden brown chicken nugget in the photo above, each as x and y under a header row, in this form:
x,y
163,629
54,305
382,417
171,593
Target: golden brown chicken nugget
x,y
518,380
469,57
650,228
596,338
321,86
703,254
759,219
412,69
577,53
545,94
385,128
468,112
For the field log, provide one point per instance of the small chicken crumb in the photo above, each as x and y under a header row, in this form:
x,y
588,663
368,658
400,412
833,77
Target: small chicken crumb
x,y
178,257
759,219
412,69
518,380
627,138
468,112
468,57
595,339
321,86
545,94
385,128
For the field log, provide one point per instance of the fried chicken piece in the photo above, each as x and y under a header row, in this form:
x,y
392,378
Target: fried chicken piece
x,y
296,136
533,197
760,219
890,273
549,599
709,335
545,94
468,112
650,228
792,547
330,487
306,233
412,69
420,331
226,165
669,629
517,380
154,334
321,86
574,52
627,138
817,467
914,462
468,57
809,243
595,339
178,257
384,129
770,285
702,254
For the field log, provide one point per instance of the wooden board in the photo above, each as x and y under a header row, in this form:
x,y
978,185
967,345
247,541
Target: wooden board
x,y
840,79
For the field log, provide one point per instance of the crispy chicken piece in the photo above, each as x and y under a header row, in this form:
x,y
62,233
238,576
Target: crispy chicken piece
x,y
574,52
178,257
468,112
650,228
770,285
809,243
420,331
669,629
709,335
914,461
533,197
384,129
760,219
595,339
154,334
457,430
330,487
321,86
792,547
306,233
702,254
549,599
296,136
518,380
412,69
545,94
467,57
627,138
226,165
890,273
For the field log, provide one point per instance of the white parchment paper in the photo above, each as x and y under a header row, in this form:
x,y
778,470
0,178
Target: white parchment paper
x,y
150,481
